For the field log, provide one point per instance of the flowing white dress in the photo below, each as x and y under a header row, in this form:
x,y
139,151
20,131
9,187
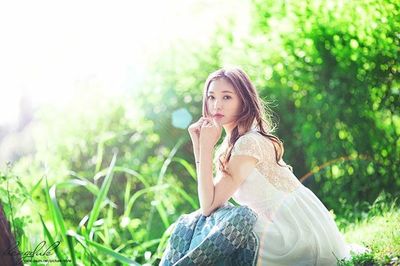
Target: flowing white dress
x,y
293,226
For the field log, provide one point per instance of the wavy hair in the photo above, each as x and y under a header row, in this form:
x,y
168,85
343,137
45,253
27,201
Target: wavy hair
x,y
255,113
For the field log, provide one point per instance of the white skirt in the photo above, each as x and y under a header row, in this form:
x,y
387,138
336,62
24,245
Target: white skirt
x,y
301,232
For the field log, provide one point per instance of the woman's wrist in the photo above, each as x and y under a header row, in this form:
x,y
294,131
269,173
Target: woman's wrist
x,y
206,148
203,149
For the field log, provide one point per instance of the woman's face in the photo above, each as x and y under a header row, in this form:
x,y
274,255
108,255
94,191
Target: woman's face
x,y
223,99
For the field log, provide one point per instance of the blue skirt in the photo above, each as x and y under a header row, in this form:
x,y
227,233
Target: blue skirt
x,y
226,237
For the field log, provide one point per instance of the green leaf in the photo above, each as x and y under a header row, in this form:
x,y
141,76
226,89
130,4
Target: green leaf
x,y
189,168
51,240
103,249
102,195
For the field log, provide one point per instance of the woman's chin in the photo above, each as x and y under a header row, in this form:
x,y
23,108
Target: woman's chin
x,y
219,121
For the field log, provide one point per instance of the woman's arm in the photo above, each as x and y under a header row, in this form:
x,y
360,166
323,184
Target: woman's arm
x,y
242,162
239,167
196,150
194,133
205,185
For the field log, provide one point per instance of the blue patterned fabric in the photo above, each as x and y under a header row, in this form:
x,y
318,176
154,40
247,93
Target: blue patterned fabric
x,y
226,237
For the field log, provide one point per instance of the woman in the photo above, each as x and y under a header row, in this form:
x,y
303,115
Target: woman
x,y
293,226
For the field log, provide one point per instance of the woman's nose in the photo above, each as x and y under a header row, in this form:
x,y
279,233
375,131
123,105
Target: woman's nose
x,y
217,104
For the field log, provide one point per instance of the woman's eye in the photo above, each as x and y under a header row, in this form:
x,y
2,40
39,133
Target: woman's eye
x,y
225,97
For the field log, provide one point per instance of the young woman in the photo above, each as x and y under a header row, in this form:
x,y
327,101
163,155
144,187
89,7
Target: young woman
x,y
293,225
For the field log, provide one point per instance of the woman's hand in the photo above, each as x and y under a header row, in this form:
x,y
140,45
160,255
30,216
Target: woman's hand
x,y
210,132
194,130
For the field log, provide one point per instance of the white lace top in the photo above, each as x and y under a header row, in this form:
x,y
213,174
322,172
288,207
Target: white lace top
x,y
256,145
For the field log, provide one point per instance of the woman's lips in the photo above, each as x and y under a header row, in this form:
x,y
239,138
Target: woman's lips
x,y
218,116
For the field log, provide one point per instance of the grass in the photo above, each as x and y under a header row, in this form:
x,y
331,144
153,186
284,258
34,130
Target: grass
x,y
107,234
380,232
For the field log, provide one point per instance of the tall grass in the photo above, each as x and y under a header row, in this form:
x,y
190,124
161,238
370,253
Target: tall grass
x,y
102,236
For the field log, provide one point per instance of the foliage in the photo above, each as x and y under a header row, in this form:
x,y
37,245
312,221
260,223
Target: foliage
x,y
101,235
335,76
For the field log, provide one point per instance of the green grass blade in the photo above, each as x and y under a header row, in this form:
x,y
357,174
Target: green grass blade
x,y
186,196
139,193
57,212
189,168
109,252
82,241
133,173
71,248
100,151
102,195
36,186
103,249
59,219
92,188
144,246
51,208
159,206
127,192
163,214
51,240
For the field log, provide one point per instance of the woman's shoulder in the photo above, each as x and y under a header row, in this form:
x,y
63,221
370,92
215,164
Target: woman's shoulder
x,y
251,143
249,137
258,143
256,137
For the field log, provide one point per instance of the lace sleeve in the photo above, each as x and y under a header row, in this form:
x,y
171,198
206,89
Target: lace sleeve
x,y
248,145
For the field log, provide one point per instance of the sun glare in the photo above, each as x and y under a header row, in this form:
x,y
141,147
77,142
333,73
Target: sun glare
x,y
52,50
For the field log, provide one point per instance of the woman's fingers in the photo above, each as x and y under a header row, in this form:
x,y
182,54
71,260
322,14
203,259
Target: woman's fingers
x,y
207,123
203,121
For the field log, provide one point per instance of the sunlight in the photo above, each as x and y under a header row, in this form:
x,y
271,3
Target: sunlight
x,y
50,51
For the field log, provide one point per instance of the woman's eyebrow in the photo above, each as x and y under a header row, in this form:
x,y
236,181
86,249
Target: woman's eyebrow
x,y
211,92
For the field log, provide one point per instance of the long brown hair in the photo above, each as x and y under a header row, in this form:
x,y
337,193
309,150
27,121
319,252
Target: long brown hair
x,y
255,112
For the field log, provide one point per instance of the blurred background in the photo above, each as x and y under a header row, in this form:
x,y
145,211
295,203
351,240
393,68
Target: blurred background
x,y
96,99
